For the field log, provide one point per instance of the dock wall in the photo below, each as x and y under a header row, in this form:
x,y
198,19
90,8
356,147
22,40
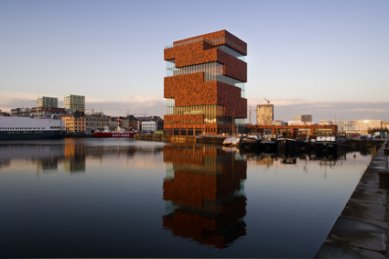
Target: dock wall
x,y
361,231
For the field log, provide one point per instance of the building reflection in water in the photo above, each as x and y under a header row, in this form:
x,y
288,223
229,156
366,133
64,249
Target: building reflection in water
x,y
204,195
75,153
48,165
261,159
44,156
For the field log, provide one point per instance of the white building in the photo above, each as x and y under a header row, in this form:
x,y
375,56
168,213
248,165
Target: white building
x,y
360,127
149,126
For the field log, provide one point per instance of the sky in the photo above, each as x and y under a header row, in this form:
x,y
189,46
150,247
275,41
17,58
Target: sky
x,y
328,58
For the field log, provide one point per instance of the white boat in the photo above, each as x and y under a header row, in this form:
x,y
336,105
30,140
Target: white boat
x,y
231,141
15,128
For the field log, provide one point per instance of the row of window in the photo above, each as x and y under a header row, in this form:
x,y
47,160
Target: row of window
x,y
197,131
210,70
210,111
22,128
189,121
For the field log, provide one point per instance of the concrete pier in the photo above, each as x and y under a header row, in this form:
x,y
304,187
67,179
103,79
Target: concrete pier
x,y
362,231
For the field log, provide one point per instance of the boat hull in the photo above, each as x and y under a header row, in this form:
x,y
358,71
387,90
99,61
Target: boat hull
x,y
113,135
326,148
31,135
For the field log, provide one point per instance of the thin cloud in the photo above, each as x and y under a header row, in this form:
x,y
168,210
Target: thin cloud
x,y
7,97
138,105
375,110
336,110
257,100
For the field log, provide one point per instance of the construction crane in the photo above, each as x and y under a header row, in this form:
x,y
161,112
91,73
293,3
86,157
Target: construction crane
x,y
268,101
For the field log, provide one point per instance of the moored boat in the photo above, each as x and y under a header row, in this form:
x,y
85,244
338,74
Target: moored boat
x,y
287,145
231,141
326,145
268,146
119,133
24,128
250,143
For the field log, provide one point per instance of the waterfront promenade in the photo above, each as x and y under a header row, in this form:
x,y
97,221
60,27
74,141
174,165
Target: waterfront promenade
x,y
361,231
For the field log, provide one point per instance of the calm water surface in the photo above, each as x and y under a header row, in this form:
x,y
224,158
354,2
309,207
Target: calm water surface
x,y
121,198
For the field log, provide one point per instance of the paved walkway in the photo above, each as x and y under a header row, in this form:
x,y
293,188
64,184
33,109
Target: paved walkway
x,y
362,230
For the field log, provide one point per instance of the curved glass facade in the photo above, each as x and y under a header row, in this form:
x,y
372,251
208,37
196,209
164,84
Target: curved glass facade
x,y
210,112
231,52
213,71
170,103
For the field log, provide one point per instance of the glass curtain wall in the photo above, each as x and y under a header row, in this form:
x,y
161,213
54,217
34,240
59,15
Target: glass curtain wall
x,y
213,71
231,52
169,103
211,112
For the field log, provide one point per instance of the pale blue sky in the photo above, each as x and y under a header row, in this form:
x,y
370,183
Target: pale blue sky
x,y
299,52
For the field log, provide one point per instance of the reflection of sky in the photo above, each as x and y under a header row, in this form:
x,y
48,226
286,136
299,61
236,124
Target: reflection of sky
x,y
116,206
148,163
295,207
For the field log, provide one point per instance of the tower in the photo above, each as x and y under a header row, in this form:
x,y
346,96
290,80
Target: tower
x,y
47,102
265,114
204,86
75,102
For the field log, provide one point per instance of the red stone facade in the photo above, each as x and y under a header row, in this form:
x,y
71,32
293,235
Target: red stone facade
x,y
193,89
